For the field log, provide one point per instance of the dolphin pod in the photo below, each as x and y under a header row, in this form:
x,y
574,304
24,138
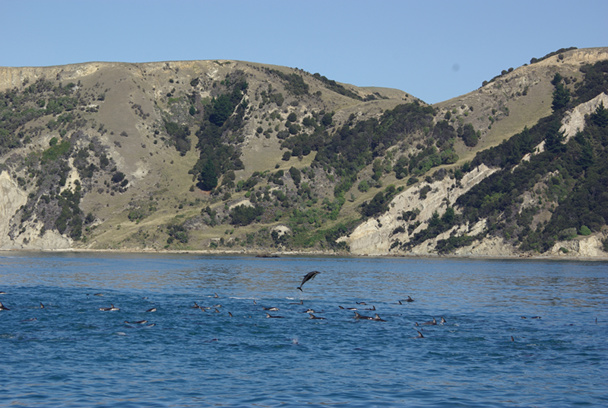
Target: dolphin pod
x,y
311,312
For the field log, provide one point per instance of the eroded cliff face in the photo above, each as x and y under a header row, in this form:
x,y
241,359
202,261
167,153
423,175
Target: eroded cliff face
x,y
12,197
574,120
584,247
376,236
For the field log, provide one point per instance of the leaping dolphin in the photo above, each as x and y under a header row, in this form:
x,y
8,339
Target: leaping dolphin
x,y
307,277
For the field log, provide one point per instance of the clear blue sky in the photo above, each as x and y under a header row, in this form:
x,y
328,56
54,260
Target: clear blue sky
x,y
433,49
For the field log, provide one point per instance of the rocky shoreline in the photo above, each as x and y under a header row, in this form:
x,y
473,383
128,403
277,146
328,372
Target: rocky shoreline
x,y
278,254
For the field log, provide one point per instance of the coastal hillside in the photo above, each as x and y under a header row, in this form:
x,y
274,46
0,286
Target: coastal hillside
x,y
237,156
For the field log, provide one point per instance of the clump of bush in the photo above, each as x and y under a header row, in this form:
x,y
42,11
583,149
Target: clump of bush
x,y
245,215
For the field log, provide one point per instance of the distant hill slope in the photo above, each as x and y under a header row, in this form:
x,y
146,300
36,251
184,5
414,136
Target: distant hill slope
x,y
238,156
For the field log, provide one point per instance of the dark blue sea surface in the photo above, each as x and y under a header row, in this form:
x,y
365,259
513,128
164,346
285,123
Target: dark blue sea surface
x,y
517,333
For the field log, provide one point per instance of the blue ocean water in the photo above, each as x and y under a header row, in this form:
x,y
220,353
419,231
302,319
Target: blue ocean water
x,y
517,333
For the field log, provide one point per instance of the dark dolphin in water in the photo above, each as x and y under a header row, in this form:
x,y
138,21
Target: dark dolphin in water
x,y
2,307
378,318
137,322
307,277
362,317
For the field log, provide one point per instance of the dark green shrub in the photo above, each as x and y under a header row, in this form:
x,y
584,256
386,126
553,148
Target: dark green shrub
x,y
424,191
118,177
377,205
283,134
468,135
244,215
208,177
295,175
363,186
177,232
294,129
56,151
308,121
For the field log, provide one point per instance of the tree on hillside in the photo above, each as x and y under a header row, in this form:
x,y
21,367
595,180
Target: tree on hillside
x,y
554,138
561,94
468,135
208,177
600,116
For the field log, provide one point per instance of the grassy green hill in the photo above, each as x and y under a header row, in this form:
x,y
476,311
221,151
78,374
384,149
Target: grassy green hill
x,y
232,156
